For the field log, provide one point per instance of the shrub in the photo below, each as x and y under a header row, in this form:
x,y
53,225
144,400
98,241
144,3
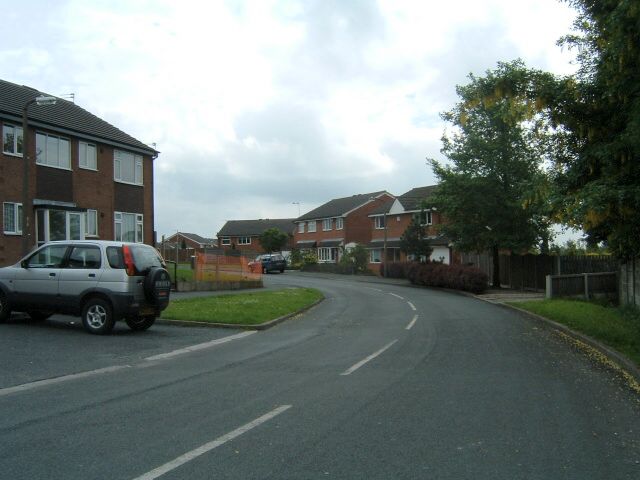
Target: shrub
x,y
457,277
395,269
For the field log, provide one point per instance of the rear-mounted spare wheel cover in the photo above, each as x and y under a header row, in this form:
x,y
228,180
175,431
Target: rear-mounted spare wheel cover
x,y
157,287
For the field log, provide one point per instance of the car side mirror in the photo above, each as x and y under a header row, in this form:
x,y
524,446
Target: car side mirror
x,y
24,264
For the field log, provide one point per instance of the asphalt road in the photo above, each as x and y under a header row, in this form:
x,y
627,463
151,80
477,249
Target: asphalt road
x,y
377,382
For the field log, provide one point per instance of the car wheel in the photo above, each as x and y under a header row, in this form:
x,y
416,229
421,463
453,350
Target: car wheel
x,y
97,316
140,323
5,308
39,315
157,287
282,270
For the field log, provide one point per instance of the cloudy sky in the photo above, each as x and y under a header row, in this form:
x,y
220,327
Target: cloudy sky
x,y
255,105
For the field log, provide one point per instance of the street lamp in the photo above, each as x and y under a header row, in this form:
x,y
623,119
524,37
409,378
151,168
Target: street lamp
x,y
26,206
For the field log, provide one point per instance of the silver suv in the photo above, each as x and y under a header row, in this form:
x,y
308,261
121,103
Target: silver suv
x,y
100,281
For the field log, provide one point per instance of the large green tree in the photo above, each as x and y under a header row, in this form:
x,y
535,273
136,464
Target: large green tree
x,y
414,240
492,192
273,239
597,168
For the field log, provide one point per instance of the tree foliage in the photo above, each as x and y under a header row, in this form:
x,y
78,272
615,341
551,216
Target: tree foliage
x,y
273,239
597,169
494,191
414,240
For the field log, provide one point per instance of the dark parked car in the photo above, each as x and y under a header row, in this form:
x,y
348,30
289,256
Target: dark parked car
x,y
101,281
268,262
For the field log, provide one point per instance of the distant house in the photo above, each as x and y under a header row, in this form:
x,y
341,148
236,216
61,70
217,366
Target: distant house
x,y
86,178
242,235
338,224
183,245
393,217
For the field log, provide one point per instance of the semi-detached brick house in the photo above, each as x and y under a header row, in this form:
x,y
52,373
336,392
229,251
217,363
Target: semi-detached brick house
x,y
394,216
338,224
242,235
87,178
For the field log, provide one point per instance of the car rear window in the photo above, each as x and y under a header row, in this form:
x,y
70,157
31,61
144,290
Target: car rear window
x,y
115,257
145,257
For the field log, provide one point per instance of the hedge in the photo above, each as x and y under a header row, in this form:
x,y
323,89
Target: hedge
x,y
457,277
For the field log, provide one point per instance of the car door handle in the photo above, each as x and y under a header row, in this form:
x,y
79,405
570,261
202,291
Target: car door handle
x,y
92,275
52,274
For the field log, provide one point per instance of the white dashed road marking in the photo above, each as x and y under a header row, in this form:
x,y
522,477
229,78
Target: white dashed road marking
x,y
368,359
200,346
412,323
207,447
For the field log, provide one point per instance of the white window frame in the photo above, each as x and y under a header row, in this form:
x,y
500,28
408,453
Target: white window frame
x,y
379,222
244,240
301,227
428,218
375,255
225,241
325,255
138,226
17,134
16,218
43,152
311,226
91,227
85,159
326,224
339,223
119,157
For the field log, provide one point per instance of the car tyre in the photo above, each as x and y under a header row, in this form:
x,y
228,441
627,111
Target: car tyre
x,y
5,307
282,270
140,324
97,316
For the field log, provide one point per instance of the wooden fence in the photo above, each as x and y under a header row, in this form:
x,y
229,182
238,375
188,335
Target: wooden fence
x,y
583,285
630,283
529,272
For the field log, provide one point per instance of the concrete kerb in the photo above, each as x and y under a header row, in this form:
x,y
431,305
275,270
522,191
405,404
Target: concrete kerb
x,y
260,326
618,361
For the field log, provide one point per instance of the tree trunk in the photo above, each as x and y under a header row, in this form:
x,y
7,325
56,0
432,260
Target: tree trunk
x,y
496,267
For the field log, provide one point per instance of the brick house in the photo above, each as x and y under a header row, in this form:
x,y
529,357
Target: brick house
x,y
393,217
338,224
183,246
86,178
242,235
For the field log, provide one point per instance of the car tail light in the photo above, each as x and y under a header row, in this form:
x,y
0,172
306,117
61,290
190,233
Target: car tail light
x,y
128,260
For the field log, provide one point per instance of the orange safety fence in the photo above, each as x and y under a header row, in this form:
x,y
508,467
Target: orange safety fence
x,y
224,268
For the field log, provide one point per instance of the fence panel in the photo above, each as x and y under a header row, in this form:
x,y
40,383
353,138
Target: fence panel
x,y
630,283
528,272
223,268
585,285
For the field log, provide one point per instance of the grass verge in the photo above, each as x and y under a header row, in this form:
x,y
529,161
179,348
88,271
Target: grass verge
x,y
618,328
242,308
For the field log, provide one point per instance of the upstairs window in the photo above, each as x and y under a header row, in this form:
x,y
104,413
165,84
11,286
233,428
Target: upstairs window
x,y
12,140
311,226
301,227
244,240
326,224
225,241
53,151
425,218
87,157
127,167
379,222
339,223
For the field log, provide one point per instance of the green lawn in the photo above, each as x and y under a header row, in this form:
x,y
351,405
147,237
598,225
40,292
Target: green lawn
x,y
615,327
242,308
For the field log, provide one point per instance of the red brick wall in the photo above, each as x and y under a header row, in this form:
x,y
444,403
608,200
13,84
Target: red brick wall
x,y
89,189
